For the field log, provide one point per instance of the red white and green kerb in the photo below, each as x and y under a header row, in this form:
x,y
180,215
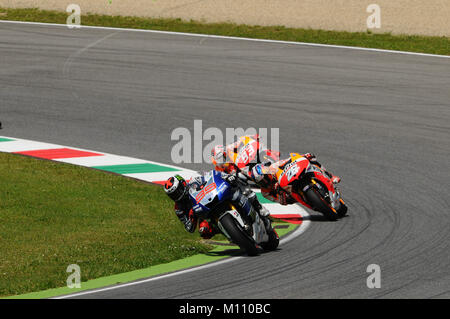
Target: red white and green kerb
x,y
127,166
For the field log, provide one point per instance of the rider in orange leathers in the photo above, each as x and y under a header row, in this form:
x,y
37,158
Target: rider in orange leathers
x,y
265,177
225,158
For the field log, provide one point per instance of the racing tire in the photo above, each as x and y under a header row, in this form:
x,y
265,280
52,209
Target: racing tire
x,y
238,235
342,211
318,203
272,243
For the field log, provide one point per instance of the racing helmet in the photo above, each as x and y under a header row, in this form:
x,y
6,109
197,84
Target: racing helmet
x,y
176,188
262,175
257,173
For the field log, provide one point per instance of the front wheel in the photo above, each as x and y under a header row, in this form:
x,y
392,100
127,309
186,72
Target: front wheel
x,y
238,235
342,211
318,203
272,243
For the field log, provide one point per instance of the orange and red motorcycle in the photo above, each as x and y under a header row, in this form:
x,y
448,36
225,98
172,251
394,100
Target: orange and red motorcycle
x,y
308,184
247,152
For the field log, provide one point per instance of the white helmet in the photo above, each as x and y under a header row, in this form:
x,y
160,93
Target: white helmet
x,y
258,172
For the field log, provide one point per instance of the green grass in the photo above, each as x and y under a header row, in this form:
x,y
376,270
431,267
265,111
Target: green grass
x,y
53,215
424,44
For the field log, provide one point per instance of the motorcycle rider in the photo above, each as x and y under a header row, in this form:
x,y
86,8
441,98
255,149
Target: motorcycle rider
x,y
177,189
264,176
221,161
223,157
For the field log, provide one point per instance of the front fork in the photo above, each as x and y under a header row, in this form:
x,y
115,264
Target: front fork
x,y
299,198
334,196
333,193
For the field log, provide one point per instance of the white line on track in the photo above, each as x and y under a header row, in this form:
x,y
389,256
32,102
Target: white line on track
x,y
283,241
235,38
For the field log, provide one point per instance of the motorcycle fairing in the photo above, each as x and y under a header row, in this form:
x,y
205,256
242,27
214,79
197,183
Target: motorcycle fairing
x,y
247,154
292,169
214,188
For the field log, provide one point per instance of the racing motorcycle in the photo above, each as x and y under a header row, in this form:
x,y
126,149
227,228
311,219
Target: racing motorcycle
x,y
213,203
309,185
251,152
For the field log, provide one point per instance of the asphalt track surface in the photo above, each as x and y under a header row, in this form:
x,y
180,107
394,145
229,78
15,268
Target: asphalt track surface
x,y
379,120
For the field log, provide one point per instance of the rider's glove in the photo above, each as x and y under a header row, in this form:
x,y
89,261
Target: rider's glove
x,y
310,156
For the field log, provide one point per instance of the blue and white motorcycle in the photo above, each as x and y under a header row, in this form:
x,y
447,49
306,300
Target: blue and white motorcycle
x,y
213,203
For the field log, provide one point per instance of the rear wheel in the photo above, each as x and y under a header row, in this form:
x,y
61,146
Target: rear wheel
x,y
317,202
238,235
